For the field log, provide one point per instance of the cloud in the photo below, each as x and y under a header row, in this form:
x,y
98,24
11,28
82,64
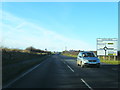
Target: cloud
x,y
19,33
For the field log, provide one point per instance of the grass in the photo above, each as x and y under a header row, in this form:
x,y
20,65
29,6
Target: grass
x,y
16,61
70,55
114,62
13,72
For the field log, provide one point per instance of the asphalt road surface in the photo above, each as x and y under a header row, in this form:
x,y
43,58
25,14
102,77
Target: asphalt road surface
x,y
62,72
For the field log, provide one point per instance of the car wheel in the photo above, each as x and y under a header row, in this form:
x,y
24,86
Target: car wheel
x,y
77,63
82,66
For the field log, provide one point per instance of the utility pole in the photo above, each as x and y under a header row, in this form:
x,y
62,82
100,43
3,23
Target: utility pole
x,y
65,48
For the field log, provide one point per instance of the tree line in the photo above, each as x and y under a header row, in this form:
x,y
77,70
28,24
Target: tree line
x,y
32,49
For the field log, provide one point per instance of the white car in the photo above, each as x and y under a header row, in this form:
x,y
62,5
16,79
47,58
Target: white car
x,y
88,59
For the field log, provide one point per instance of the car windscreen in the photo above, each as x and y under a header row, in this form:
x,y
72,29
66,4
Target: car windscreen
x,y
89,55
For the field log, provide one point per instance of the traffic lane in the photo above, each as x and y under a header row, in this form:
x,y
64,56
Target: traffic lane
x,y
103,65
98,77
51,73
104,77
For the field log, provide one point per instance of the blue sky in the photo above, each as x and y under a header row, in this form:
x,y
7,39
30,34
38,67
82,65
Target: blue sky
x,y
56,25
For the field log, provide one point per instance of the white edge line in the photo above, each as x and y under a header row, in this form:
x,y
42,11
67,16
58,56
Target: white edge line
x,y
21,76
70,68
86,84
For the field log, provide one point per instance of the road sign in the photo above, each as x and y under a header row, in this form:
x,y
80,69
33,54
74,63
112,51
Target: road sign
x,y
107,46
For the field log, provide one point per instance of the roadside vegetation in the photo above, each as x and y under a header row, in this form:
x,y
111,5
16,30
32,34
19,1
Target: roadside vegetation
x,y
115,62
17,61
70,55
107,61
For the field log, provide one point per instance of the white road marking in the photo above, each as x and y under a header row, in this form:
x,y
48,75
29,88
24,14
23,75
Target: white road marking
x,y
21,76
70,68
86,84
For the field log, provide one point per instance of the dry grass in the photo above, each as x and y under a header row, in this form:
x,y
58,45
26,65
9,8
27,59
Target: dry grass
x,y
15,62
70,55
114,62
12,71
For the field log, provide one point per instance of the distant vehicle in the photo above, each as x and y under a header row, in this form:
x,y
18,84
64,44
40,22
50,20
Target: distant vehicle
x,y
88,59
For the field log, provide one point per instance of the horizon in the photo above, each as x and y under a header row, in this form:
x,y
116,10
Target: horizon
x,y
57,25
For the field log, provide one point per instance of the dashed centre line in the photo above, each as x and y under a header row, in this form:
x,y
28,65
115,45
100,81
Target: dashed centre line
x,y
86,84
81,78
70,68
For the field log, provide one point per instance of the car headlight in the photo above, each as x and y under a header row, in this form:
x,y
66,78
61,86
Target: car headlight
x,y
85,60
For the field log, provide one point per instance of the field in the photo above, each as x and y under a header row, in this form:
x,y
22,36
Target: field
x,y
15,62
115,62
70,55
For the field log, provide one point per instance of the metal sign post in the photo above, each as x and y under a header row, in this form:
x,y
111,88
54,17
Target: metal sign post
x,y
114,57
105,48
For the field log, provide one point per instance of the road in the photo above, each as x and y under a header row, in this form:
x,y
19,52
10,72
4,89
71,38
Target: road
x,y
62,72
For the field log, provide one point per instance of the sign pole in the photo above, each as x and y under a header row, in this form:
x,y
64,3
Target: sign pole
x,y
105,54
109,57
105,48
114,57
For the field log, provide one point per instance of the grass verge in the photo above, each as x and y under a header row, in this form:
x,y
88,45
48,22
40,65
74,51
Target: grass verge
x,y
70,55
114,62
10,73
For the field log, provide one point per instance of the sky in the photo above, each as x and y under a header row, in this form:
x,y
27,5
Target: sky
x,y
119,28
56,25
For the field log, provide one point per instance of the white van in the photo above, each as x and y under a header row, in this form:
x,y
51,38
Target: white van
x,y
87,59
